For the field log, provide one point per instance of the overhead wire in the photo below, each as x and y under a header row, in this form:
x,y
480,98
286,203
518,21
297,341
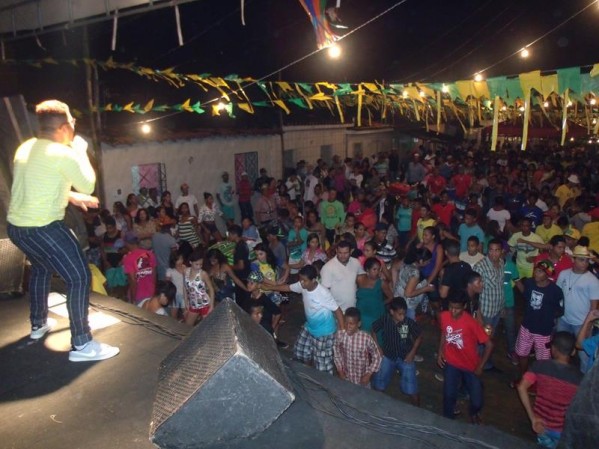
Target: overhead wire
x,y
541,37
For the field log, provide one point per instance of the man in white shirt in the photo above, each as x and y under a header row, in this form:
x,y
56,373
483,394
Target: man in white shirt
x,y
339,276
309,184
185,197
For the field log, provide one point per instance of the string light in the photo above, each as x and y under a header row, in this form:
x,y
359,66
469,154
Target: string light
x,y
422,94
478,77
334,51
405,94
545,104
220,106
524,53
593,101
145,128
445,89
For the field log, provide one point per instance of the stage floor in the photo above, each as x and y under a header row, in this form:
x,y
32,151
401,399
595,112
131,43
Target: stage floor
x,y
48,402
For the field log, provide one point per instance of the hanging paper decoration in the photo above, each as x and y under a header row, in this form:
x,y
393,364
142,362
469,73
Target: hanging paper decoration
x,y
316,10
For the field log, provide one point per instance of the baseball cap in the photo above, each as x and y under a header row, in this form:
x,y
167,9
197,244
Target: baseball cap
x,y
563,341
574,179
255,277
573,233
546,266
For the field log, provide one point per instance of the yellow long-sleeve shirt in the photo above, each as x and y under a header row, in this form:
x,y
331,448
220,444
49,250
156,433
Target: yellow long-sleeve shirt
x,y
44,173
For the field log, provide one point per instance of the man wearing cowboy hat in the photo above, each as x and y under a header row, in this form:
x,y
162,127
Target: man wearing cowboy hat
x,y
568,191
581,294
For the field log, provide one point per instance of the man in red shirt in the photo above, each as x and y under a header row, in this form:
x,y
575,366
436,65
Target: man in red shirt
x,y
444,210
244,190
458,356
435,182
557,255
462,182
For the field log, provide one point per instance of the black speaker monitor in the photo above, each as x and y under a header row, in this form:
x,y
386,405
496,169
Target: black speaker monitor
x,y
225,381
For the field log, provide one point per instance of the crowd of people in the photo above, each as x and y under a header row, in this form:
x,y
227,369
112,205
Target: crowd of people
x,y
372,245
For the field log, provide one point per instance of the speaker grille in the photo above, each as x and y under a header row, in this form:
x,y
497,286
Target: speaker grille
x,y
228,331
11,267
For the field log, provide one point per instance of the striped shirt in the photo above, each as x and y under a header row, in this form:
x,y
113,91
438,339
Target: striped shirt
x,y
398,338
556,386
492,298
44,173
356,355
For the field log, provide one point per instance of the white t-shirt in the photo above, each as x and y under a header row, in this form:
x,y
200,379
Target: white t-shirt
x,y
309,183
579,290
319,306
191,200
293,188
357,178
471,260
500,216
341,280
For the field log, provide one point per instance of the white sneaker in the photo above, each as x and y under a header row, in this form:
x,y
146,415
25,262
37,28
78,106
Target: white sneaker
x,y
418,358
92,351
439,377
38,332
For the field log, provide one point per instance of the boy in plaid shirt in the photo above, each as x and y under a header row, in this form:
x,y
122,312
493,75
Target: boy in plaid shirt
x,y
355,352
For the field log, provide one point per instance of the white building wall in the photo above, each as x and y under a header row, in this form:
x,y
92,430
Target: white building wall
x,y
198,162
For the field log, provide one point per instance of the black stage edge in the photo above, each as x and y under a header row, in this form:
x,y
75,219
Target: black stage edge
x,y
48,402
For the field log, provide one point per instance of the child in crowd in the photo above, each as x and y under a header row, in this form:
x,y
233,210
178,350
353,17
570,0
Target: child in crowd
x,y
164,297
458,356
315,341
472,255
176,274
270,313
401,339
356,354
557,382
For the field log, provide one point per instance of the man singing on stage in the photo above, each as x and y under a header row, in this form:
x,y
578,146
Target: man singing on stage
x,y
45,170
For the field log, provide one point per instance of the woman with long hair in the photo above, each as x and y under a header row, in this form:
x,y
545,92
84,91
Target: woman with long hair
x,y
144,227
207,218
187,226
167,203
222,275
199,291
122,218
132,206
409,285
372,293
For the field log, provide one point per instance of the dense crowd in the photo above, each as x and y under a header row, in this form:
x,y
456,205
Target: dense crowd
x,y
372,244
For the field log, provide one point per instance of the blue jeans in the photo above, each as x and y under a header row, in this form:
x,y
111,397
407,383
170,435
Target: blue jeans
x,y
54,248
549,438
451,385
574,329
382,378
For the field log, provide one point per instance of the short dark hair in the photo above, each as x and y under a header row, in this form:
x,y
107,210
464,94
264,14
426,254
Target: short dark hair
x,y
564,342
309,272
235,229
168,289
495,242
110,221
474,239
371,262
452,247
344,244
553,241
471,212
398,303
460,297
353,312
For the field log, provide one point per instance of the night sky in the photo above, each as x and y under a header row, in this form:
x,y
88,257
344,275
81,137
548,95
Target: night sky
x,y
420,40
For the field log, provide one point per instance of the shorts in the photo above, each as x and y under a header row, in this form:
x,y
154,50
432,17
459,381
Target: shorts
x,y
211,226
527,340
202,311
315,349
